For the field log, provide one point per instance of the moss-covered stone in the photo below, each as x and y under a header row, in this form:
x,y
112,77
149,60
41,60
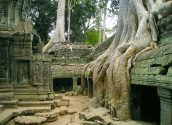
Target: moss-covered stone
x,y
148,71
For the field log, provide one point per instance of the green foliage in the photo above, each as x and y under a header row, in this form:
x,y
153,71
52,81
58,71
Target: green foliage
x,y
92,37
114,6
82,14
43,13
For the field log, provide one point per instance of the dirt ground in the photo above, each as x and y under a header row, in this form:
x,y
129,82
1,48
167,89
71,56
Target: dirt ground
x,y
78,103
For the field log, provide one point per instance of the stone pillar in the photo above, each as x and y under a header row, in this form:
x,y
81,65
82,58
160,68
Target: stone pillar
x,y
75,84
90,87
166,106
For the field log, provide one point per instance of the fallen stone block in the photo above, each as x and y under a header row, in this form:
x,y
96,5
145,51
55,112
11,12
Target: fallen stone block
x,y
59,103
63,110
5,116
71,111
100,123
33,110
101,111
69,93
57,96
74,123
29,120
65,99
90,117
88,123
56,110
51,116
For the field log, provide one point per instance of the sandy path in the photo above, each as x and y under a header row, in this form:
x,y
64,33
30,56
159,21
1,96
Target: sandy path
x,y
77,103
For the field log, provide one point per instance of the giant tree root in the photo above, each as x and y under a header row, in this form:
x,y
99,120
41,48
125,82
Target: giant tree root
x,y
136,33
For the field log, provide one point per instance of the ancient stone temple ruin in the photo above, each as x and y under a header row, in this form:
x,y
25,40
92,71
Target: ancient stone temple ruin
x,y
24,72
67,64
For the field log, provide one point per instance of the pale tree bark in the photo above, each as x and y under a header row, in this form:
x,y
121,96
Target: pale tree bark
x,y
70,6
58,35
104,21
100,22
136,33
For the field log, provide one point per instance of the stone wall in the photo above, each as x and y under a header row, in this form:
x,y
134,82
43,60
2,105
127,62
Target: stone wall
x,y
65,71
154,68
24,73
69,60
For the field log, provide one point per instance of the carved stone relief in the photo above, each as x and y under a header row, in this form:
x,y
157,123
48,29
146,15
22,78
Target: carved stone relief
x,y
36,73
3,13
46,73
4,65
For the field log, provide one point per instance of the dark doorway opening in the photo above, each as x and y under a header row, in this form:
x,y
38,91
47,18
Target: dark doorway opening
x,y
90,87
79,81
145,105
62,84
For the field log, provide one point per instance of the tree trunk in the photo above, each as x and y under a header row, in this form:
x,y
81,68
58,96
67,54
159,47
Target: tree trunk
x,y
100,22
135,33
69,15
58,35
104,21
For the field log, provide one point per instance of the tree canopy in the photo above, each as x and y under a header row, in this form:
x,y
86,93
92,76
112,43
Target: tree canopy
x,y
83,16
43,14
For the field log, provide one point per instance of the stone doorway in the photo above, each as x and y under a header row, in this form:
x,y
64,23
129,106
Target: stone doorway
x,y
62,84
23,71
145,104
90,87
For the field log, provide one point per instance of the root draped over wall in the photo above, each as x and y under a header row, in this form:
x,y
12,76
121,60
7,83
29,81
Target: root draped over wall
x,y
136,33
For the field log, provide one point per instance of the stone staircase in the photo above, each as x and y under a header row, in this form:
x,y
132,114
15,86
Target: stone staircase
x,y
36,103
9,103
29,92
13,108
6,96
24,92
6,91
1,108
58,106
8,114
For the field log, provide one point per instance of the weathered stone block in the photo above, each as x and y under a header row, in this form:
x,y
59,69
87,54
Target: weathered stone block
x,y
71,111
63,110
88,123
59,103
51,116
93,116
57,96
10,104
29,120
148,71
35,103
169,73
